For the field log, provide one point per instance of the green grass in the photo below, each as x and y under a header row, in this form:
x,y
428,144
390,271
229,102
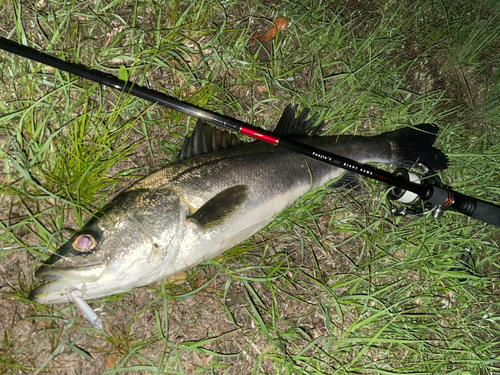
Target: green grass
x,y
336,284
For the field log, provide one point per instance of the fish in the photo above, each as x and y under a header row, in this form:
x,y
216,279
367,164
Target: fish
x,y
219,192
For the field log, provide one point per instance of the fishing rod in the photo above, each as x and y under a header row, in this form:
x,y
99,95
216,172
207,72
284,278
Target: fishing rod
x,y
407,190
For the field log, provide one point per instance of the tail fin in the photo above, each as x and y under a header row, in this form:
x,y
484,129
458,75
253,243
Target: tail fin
x,y
416,144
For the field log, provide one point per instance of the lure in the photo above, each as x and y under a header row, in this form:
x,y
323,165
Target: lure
x,y
85,309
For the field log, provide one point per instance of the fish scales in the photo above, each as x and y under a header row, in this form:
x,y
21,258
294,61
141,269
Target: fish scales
x,y
197,208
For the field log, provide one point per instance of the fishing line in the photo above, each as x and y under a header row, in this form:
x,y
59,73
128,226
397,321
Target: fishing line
x,y
440,196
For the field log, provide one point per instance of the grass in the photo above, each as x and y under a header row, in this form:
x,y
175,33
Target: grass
x,y
336,284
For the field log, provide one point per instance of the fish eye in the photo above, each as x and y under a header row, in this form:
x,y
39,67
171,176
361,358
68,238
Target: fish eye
x,y
84,242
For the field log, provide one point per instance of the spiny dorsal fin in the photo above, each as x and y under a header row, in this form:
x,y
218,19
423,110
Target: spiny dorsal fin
x,y
221,207
205,138
291,125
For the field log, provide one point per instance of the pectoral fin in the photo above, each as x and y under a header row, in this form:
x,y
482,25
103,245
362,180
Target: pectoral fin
x,y
221,207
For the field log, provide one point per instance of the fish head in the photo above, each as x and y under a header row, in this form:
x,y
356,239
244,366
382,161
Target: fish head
x,y
117,250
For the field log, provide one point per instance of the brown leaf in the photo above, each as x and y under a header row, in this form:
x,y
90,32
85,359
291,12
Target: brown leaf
x,y
262,89
279,24
109,362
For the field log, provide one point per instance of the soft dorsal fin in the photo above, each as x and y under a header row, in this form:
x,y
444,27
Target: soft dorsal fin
x,y
291,125
205,138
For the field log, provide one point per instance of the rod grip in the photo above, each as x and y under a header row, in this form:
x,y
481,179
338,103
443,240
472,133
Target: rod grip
x,y
486,212
469,206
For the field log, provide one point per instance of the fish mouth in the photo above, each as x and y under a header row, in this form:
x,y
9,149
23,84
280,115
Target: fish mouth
x,y
58,280
52,292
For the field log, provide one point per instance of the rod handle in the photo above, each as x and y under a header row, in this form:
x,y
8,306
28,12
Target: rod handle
x,y
469,206
481,210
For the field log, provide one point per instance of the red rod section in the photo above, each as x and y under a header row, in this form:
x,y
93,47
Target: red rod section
x,y
260,134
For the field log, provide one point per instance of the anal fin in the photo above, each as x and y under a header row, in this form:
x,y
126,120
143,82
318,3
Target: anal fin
x,y
349,180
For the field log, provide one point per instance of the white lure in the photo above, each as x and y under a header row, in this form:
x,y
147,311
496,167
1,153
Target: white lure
x,y
87,311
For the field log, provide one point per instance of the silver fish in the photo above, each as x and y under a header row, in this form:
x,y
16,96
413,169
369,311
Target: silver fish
x,y
216,195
